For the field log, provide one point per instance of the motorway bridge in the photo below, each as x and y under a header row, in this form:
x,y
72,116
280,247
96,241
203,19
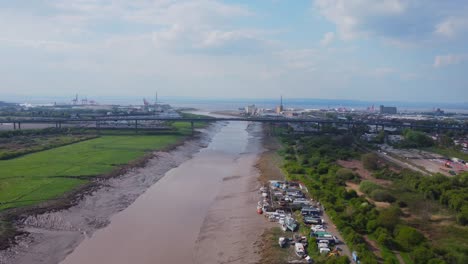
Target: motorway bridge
x,y
319,122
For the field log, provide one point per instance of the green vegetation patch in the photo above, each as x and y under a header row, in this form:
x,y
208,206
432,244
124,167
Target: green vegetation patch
x,y
423,197
449,152
20,142
47,174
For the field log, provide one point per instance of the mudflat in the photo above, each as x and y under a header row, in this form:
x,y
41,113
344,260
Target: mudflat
x,y
53,235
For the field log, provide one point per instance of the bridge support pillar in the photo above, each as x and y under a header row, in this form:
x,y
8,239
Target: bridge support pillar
x,y
19,126
14,126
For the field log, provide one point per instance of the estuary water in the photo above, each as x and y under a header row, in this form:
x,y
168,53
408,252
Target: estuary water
x,y
202,211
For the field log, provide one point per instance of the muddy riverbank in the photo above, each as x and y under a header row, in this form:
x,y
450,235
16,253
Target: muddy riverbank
x,y
50,236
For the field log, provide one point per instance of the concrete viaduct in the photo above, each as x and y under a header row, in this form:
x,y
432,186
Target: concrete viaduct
x,y
319,122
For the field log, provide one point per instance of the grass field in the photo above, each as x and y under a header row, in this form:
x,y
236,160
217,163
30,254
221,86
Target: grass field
x,y
20,145
448,152
48,174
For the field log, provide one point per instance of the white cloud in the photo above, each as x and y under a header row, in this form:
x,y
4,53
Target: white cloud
x,y
450,59
397,22
452,27
327,38
351,16
183,25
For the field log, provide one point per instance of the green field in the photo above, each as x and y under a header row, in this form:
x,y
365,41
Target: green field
x,y
450,153
48,174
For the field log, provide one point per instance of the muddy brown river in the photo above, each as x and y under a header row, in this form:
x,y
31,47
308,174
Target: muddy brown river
x,y
202,211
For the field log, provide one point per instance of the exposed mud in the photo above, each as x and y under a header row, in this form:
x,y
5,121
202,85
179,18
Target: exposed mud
x,y
49,237
232,228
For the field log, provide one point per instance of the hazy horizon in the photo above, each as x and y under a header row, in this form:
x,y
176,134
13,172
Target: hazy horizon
x,y
368,50
235,103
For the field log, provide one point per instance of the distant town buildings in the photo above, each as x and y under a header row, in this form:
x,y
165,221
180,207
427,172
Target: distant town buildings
x,y
250,110
388,110
439,112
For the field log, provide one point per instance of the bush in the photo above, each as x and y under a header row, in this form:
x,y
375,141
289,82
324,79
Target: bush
x,y
408,237
402,204
345,174
323,167
389,218
370,161
416,139
380,195
368,187
348,195
462,217
421,255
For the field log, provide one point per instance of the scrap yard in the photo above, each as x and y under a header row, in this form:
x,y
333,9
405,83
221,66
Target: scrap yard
x,y
303,222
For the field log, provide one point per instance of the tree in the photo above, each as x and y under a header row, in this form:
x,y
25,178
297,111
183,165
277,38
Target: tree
x,y
389,218
370,161
368,187
345,174
380,138
416,139
380,195
408,237
462,217
421,255
445,141
383,237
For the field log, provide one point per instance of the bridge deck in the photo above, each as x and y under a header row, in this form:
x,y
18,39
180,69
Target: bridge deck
x,y
243,119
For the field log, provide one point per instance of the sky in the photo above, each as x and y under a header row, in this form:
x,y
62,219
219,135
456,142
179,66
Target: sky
x,y
405,50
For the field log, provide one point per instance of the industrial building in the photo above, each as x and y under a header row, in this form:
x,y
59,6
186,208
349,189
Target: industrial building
x,y
251,110
388,109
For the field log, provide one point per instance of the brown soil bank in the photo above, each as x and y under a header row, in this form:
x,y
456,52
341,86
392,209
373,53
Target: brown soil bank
x,y
269,162
269,165
51,232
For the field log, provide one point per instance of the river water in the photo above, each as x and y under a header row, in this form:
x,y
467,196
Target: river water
x,y
202,211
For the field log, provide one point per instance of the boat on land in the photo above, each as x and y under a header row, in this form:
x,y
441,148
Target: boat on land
x,y
299,249
282,241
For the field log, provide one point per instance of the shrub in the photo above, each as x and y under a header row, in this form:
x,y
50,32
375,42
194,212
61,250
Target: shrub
x,y
350,194
345,174
415,139
322,168
421,255
462,217
408,237
368,187
389,218
382,196
402,204
370,161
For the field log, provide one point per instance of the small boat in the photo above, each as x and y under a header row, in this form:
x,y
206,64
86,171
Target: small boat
x,y
284,228
259,210
299,249
282,242
290,223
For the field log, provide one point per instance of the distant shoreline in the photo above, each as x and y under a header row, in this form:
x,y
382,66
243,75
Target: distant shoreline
x,y
235,104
